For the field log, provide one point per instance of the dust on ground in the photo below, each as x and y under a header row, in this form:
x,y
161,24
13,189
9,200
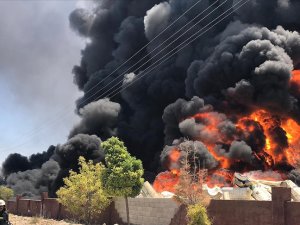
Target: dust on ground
x,y
21,220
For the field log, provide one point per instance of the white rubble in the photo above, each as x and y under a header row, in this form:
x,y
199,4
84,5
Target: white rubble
x,y
260,190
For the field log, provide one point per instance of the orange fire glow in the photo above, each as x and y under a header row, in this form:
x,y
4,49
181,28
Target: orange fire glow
x,y
166,181
295,76
272,153
295,83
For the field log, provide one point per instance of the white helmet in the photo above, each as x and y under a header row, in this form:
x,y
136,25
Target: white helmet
x,y
2,203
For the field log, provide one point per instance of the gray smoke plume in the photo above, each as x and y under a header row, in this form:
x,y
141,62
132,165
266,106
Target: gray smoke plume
x,y
32,183
84,145
17,162
241,64
294,175
98,118
176,112
132,24
88,146
238,150
195,151
44,172
259,63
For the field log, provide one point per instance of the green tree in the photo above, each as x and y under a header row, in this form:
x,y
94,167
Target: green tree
x,y
83,193
6,193
123,175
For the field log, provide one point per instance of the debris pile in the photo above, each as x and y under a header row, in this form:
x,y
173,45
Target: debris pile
x,y
244,188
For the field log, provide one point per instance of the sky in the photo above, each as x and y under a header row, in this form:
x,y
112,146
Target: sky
x,y
38,50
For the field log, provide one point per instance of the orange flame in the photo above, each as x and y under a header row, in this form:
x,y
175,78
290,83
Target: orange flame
x,y
295,77
174,155
220,178
166,181
295,83
272,152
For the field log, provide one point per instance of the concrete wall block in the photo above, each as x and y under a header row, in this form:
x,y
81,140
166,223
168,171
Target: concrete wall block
x,y
165,221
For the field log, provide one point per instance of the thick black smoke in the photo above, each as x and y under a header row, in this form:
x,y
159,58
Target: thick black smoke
x,y
31,183
98,118
67,156
193,150
14,163
38,159
241,64
45,171
133,24
258,62
18,163
80,145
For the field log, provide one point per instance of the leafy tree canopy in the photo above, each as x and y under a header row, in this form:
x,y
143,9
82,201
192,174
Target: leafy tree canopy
x,y
123,175
83,193
6,193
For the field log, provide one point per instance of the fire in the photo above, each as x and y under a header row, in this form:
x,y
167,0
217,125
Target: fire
x,y
295,83
295,76
211,121
289,127
292,132
274,142
166,181
220,178
174,155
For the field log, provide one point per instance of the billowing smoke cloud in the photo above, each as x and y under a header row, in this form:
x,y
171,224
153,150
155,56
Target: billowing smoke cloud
x,y
294,175
14,163
284,12
31,183
239,150
193,150
131,25
175,112
88,146
18,163
38,159
259,62
80,145
45,171
240,65
98,118
156,19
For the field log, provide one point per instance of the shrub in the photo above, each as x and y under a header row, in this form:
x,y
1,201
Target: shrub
x,y
83,194
6,193
197,215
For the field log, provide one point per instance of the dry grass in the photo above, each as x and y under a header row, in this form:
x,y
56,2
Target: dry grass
x,y
21,220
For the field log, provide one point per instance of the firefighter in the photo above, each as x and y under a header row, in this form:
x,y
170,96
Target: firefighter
x,y
3,214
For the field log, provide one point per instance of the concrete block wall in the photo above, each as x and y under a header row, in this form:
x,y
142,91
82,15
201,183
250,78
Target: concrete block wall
x,y
147,211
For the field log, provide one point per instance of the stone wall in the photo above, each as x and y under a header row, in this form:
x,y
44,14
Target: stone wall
x,y
279,211
156,211
147,211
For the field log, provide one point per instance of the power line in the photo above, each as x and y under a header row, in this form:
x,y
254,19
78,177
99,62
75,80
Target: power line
x,y
62,112
115,93
103,94
182,47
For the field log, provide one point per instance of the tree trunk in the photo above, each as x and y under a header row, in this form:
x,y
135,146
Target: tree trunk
x,y
127,210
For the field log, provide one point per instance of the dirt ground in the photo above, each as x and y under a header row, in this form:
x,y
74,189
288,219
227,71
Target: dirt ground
x,y
20,220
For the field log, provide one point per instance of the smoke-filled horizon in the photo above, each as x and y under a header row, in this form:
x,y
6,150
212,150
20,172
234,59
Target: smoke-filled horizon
x,y
216,92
